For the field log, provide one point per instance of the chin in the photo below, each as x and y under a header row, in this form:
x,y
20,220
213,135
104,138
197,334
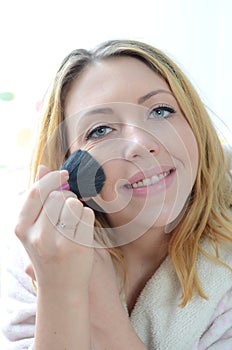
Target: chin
x,y
171,218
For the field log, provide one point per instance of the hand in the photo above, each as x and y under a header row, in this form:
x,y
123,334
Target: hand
x,y
58,262
109,324
104,301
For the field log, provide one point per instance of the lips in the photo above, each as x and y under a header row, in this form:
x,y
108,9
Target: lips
x,y
149,177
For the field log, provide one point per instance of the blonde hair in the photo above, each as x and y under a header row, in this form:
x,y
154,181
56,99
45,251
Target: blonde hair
x,y
208,215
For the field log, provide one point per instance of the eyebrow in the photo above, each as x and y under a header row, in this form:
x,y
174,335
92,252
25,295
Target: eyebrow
x,y
141,99
106,110
152,93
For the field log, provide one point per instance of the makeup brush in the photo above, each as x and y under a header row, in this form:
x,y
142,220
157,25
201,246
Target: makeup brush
x,y
86,176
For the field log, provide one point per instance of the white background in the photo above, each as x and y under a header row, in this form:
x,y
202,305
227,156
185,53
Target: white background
x,y
36,35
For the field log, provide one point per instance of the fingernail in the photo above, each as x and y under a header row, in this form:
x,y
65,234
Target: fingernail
x,y
64,187
65,173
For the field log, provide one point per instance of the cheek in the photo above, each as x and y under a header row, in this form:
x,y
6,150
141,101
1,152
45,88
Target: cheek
x,y
108,193
190,151
179,141
114,179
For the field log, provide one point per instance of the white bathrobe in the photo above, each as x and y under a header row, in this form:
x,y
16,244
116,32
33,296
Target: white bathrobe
x,y
156,317
162,324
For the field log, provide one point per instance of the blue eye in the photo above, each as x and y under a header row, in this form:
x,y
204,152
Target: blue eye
x,y
98,132
162,112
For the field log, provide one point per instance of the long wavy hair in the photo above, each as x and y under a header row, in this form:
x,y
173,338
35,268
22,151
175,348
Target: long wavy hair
x,y
208,213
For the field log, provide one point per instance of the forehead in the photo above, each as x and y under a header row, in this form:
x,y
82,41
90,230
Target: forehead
x,y
117,79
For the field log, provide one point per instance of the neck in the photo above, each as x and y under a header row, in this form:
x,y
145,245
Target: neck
x,y
151,247
143,257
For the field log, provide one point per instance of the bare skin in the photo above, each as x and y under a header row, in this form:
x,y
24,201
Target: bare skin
x,y
64,319
142,262
79,306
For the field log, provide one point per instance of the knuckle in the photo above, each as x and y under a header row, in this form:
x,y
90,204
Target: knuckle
x,y
88,211
69,194
37,243
19,232
74,203
60,195
88,214
55,195
34,193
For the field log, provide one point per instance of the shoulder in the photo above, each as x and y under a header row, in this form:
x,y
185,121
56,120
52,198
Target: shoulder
x,y
218,334
222,253
215,274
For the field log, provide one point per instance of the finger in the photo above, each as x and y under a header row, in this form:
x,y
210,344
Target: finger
x,y
85,228
69,217
50,214
36,198
45,227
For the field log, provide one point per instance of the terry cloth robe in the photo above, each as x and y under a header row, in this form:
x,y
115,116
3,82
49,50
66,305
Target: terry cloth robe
x,y
156,317
201,324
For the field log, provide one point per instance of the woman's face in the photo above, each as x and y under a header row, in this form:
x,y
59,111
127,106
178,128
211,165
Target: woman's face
x,y
126,116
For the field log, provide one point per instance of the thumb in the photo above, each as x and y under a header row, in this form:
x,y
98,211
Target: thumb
x,y
30,271
41,172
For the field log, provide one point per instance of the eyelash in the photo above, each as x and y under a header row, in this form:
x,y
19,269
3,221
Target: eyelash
x,y
93,131
159,108
164,108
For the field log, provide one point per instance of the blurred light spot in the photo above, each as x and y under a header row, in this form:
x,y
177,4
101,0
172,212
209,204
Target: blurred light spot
x,y
7,96
24,137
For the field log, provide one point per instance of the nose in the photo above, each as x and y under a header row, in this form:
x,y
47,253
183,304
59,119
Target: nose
x,y
139,143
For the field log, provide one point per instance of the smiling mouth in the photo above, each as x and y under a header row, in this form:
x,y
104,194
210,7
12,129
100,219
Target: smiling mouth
x,y
150,181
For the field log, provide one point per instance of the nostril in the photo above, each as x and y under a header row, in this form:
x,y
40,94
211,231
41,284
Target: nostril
x,y
140,148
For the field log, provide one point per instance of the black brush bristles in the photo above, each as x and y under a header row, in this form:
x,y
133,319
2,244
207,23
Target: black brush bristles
x,y
86,176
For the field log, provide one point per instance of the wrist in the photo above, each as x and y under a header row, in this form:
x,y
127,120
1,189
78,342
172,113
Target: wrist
x,y
60,296
62,322
118,333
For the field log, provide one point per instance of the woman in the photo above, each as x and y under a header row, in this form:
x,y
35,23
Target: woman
x,y
146,264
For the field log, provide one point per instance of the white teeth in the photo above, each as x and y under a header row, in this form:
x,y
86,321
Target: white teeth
x,y
155,179
147,182
150,181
